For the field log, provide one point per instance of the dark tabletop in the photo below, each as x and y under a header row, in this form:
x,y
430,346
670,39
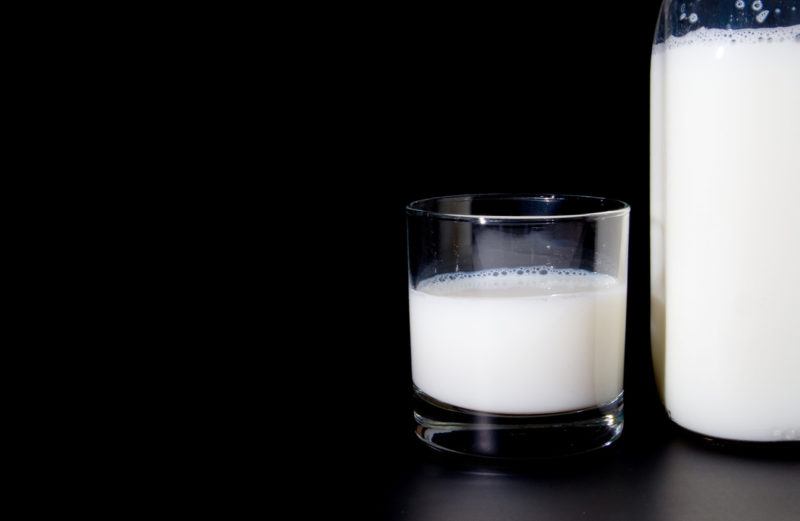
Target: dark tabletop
x,y
656,471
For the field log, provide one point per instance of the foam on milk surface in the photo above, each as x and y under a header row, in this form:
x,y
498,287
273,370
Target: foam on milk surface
x,y
529,340
706,36
534,281
725,181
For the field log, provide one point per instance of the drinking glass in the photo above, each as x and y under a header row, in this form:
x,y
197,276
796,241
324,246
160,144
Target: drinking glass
x,y
517,316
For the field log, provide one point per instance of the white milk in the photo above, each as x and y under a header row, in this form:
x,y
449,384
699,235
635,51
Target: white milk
x,y
522,340
725,227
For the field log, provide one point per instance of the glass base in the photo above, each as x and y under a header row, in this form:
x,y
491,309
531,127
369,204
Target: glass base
x,y
474,433
778,448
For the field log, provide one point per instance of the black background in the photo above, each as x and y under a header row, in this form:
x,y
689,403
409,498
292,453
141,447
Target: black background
x,y
419,101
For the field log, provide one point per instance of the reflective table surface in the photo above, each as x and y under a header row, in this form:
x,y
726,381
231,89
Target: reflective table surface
x,y
655,471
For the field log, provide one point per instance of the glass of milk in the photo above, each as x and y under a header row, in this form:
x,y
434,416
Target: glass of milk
x,y
517,308
725,217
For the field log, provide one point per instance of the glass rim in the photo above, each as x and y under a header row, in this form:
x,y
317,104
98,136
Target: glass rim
x,y
622,208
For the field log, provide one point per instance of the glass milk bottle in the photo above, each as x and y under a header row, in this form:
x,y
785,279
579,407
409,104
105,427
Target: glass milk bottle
x,y
725,217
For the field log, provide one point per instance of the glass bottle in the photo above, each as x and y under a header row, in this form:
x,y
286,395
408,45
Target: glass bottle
x,y
725,217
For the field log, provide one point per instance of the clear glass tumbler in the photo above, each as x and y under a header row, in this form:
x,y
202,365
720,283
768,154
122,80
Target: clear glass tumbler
x,y
517,307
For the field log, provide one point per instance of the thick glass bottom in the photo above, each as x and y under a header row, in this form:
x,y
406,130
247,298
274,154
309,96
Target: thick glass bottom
x,y
462,431
778,448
